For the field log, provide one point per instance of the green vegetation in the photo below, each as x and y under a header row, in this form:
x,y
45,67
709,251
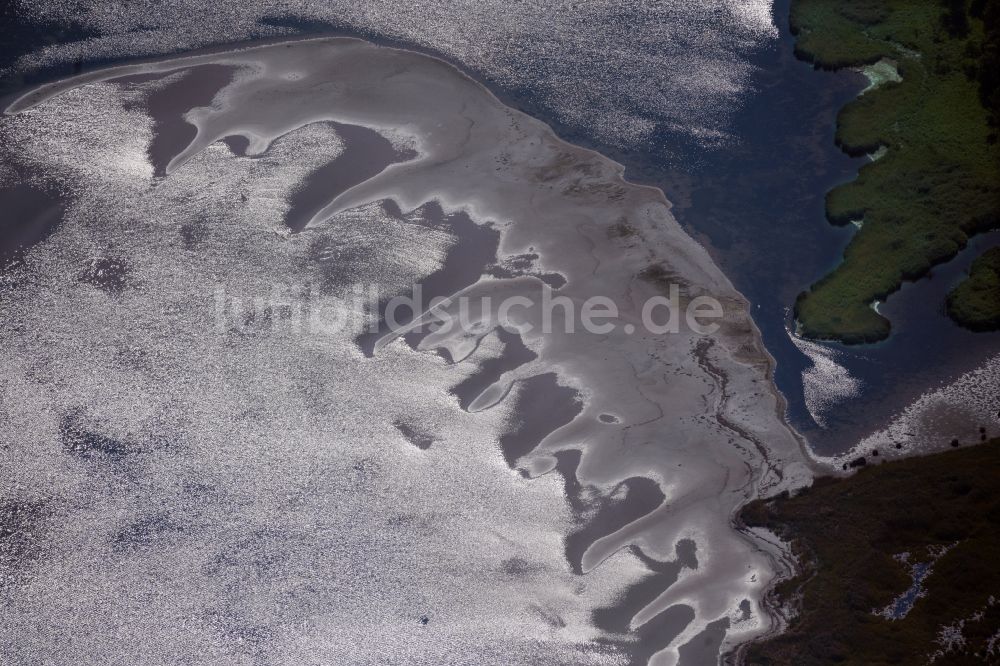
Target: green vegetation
x,y
975,303
937,180
849,533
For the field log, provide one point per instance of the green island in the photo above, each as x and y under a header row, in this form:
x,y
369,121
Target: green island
x,y
928,122
850,535
975,302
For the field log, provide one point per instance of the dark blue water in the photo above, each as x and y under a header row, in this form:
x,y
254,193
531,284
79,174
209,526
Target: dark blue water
x,y
759,206
901,607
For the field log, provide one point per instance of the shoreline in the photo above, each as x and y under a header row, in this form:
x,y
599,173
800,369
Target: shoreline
x,y
919,140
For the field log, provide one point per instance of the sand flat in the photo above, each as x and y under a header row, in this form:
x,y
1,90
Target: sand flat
x,y
695,415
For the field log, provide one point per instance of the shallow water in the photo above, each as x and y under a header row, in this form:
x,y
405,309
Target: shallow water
x,y
187,89
214,387
366,154
31,214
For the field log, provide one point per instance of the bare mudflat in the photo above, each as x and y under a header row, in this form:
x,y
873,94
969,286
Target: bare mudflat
x,y
224,454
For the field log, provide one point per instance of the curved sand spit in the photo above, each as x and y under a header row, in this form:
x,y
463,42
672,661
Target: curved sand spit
x,y
697,415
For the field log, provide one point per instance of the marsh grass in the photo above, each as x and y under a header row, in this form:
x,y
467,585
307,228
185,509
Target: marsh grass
x,y
939,179
975,302
848,533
